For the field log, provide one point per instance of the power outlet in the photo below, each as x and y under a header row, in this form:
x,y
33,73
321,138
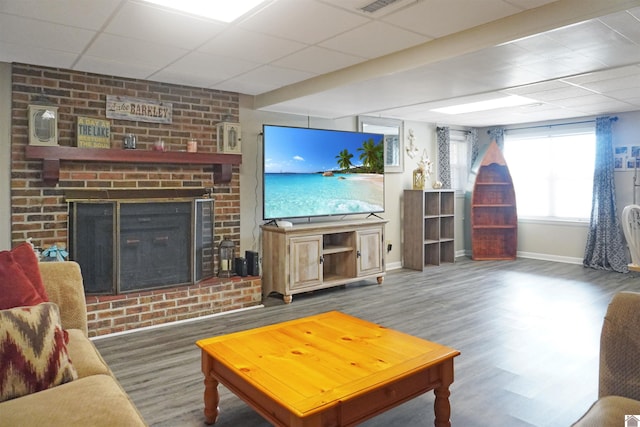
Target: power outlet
x,y
389,246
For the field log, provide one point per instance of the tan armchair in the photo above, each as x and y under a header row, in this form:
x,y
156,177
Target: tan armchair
x,y
619,373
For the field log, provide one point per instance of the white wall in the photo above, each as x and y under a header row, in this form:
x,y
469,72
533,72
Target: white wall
x,y
251,173
5,155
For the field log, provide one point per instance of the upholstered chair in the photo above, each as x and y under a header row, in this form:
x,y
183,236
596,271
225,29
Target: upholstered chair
x,y
619,372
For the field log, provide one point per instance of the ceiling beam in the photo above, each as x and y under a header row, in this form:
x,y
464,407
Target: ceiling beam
x,y
527,23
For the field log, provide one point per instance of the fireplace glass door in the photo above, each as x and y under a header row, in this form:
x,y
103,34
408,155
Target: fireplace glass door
x,y
133,245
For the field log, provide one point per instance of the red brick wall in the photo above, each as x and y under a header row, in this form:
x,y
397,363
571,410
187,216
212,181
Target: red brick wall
x,y
108,314
40,211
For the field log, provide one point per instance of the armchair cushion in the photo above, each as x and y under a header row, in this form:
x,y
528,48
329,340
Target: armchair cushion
x,y
609,411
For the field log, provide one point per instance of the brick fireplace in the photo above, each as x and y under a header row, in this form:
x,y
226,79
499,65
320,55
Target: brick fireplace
x,y
40,210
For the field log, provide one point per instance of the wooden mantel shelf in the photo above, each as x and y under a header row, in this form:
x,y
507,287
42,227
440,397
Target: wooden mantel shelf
x,y
51,156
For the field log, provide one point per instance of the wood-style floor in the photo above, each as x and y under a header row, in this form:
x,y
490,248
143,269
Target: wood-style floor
x,y
528,332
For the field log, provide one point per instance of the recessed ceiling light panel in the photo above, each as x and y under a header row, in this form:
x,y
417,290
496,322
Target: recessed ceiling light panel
x,y
225,11
490,104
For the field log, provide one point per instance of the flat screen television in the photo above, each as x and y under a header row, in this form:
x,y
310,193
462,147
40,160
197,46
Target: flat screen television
x,y
318,172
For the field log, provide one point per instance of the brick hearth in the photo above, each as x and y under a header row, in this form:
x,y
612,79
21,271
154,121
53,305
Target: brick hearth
x,y
117,313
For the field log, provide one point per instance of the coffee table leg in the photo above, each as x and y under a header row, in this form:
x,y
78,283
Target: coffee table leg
x,y
441,407
211,396
211,399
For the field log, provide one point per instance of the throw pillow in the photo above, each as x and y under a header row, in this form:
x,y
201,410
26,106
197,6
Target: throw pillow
x,y
23,254
16,290
33,351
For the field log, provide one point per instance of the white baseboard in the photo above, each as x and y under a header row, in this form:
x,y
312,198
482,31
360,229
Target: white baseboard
x,y
535,255
394,265
548,257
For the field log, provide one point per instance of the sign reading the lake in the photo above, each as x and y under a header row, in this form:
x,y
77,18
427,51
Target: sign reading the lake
x,y
93,133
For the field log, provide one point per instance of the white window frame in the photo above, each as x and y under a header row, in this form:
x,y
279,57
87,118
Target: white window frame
x,y
555,174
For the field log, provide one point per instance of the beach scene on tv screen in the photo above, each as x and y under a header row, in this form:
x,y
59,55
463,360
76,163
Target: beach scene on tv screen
x,y
313,172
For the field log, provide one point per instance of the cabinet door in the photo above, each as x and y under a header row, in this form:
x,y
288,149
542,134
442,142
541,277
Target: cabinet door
x,y
369,251
305,265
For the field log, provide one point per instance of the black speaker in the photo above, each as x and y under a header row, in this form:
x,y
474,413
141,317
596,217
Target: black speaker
x,y
253,266
241,267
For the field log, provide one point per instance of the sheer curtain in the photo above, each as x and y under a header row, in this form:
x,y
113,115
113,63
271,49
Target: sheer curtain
x,y
605,248
444,161
473,138
497,135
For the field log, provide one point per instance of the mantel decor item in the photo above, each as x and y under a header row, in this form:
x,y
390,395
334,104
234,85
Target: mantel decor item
x,y
229,138
93,133
225,258
419,179
43,125
138,110
192,145
423,172
129,141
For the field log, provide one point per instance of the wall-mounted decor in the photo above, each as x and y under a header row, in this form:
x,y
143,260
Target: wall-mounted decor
x,y
626,157
229,138
140,110
392,130
93,133
43,124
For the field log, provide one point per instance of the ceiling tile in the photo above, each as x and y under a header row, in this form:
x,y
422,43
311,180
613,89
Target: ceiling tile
x,y
624,23
108,67
317,60
373,40
560,93
44,35
609,85
543,45
251,46
130,51
17,53
305,21
267,78
211,68
153,24
613,73
437,18
94,13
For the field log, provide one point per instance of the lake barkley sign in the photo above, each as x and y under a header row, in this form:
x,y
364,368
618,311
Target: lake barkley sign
x,y
136,109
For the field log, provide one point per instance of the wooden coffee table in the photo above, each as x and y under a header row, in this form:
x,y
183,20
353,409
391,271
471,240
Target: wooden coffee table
x,y
325,370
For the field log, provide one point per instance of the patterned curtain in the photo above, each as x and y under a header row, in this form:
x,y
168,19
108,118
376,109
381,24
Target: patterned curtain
x,y
605,248
497,135
444,162
473,138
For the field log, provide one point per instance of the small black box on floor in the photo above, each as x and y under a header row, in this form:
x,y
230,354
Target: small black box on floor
x,y
241,267
253,267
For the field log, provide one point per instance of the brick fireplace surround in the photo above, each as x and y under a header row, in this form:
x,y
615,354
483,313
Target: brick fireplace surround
x,y
40,211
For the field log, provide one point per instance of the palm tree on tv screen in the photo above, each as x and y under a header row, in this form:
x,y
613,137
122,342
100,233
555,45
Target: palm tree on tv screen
x,y
372,156
344,160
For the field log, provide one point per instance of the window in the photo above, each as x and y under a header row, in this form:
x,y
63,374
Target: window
x,y
552,170
459,159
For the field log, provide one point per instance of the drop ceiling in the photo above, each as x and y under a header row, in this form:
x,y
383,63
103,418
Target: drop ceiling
x,y
328,58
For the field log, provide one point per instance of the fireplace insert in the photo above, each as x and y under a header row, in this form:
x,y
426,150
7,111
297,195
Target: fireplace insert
x,y
133,245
